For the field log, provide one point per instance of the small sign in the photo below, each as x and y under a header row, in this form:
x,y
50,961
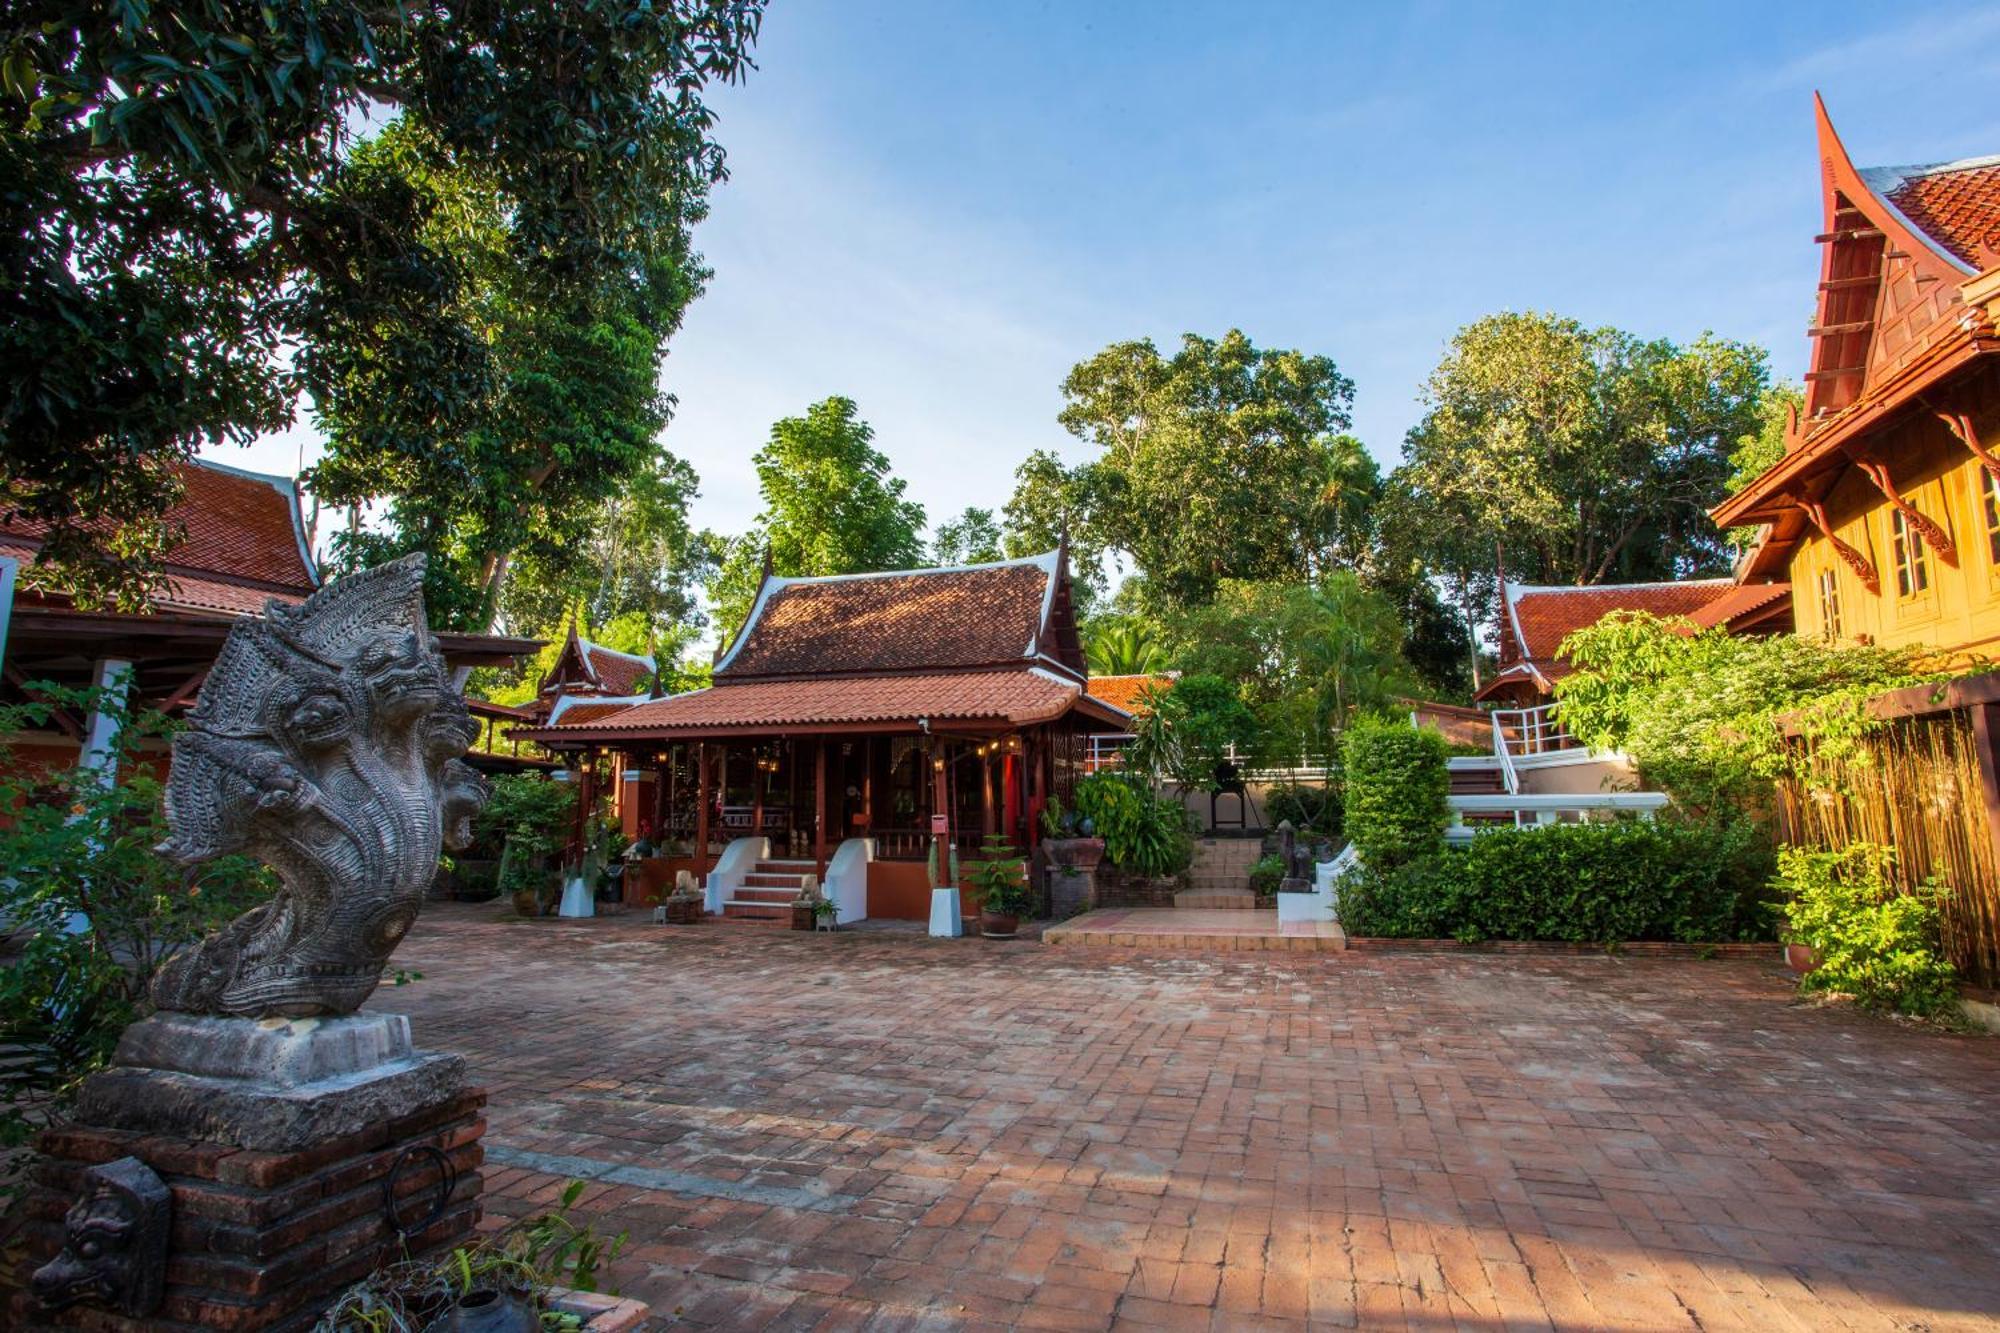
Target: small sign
x,y
940,825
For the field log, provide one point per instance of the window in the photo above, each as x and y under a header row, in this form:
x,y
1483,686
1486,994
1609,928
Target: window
x,y
1989,492
1829,605
1913,570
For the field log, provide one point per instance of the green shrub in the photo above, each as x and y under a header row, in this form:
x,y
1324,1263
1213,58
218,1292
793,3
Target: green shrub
x,y
1267,875
1144,833
1314,809
90,908
1000,878
527,805
1398,791
1872,942
1580,883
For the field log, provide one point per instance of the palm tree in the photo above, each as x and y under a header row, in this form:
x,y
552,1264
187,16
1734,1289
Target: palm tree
x,y
1123,647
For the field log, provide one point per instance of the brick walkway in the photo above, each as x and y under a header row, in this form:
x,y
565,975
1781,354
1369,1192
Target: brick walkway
x,y
874,1130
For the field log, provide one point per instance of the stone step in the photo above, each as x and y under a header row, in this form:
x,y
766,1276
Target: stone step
x,y
769,880
785,867
750,893
1233,900
743,909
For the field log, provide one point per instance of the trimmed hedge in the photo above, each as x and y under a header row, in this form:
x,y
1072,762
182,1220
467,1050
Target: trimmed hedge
x,y
1398,792
1579,883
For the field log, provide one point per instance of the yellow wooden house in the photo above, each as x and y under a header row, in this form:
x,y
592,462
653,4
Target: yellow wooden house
x,y
1884,513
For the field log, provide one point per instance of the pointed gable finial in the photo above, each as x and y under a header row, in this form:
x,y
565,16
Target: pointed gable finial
x,y
768,568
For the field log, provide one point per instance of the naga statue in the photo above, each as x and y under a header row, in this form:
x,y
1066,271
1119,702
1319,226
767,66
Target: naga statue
x,y
327,744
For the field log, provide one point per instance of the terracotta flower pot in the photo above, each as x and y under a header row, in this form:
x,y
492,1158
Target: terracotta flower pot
x,y
996,926
1801,958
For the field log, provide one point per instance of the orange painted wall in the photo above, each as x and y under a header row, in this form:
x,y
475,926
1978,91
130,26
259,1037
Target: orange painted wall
x,y
901,891
656,877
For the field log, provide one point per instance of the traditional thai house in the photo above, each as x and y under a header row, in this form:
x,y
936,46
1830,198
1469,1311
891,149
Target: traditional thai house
x,y
857,727
1534,621
1884,516
242,540
1884,513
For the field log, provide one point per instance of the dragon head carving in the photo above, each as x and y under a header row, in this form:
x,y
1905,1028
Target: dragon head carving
x,y
327,744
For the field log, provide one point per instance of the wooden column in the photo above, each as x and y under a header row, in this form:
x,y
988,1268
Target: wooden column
x,y
819,809
701,811
758,782
586,792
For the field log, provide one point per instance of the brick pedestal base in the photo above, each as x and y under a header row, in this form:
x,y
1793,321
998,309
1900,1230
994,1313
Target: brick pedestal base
x,y
265,1240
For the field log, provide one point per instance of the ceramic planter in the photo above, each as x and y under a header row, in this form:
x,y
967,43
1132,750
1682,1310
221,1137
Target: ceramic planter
x,y
998,926
1801,958
1083,853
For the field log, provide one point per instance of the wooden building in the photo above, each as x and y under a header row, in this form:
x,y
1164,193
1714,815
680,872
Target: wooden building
x,y
242,541
852,722
1884,514
1535,619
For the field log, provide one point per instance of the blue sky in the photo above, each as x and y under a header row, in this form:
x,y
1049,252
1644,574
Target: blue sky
x,y
936,209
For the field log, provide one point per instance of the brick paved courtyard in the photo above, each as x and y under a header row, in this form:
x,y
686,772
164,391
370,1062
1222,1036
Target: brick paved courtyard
x,y
876,1130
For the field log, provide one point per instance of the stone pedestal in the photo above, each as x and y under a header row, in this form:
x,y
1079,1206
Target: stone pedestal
x,y
1071,892
275,1140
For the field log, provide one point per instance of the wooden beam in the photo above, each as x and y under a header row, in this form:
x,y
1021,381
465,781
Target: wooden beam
x,y
1848,234
187,689
1831,330
701,813
1816,512
1928,528
1836,374
66,721
1844,284
819,810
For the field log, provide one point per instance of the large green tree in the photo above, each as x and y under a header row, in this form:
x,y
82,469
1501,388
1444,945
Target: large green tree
x,y
830,507
184,246
566,413
1220,461
970,539
1589,455
1308,658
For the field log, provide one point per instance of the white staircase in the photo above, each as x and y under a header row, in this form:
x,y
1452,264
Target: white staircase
x,y
767,891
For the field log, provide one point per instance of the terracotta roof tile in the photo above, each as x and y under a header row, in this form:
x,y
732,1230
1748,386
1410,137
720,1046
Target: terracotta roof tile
x,y
1545,616
578,714
1958,207
618,673
1739,602
916,620
1016,697
239,526
1129,692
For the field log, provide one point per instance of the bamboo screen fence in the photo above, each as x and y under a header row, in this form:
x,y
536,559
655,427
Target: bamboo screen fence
x,y
1920,785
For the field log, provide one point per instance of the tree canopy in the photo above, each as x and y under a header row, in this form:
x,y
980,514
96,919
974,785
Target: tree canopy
x,y
189,245
1221,461
970,539
830,507
1589,455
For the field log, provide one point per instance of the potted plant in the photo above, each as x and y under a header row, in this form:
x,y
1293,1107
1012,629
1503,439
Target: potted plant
x,y
1001,879
1069,838
824,912
524,874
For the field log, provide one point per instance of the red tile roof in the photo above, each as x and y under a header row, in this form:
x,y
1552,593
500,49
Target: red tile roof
x,y
1018,697
616,672
914,620
1957,205
1542,617
244,541
1129,692
1739,602
578,714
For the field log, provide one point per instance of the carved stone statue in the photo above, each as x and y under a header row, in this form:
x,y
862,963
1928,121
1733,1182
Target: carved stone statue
x,y
327,745
114,1250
